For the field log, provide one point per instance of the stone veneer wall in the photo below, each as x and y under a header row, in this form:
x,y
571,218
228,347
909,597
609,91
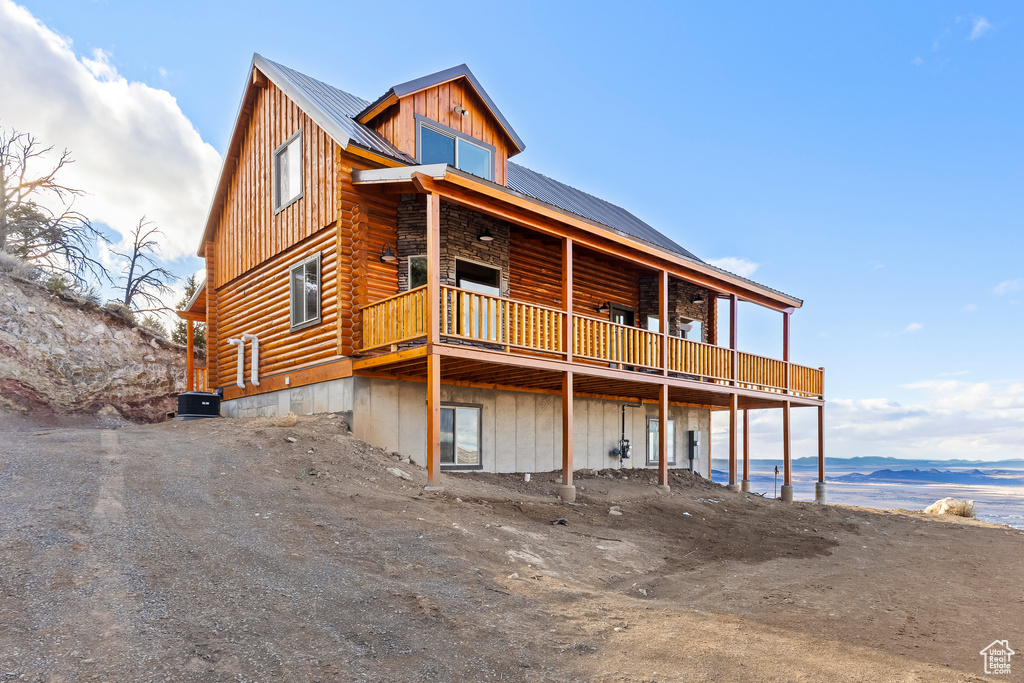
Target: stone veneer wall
x,y
460,229
680,307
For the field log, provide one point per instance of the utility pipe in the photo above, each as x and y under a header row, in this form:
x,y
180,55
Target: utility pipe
x,y
240,374
254,371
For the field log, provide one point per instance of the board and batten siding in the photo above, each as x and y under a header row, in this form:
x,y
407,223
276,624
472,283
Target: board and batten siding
x,y
249,232
437,103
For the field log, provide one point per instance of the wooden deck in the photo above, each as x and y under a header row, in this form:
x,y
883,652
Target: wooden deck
x,y
496,341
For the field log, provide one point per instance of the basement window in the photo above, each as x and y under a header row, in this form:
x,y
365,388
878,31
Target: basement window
x,y
652,441
460,436
442,145
288,172
304,286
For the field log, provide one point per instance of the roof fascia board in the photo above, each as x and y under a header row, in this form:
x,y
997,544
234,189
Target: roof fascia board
x,y
448,75
195,295
389,98
445,173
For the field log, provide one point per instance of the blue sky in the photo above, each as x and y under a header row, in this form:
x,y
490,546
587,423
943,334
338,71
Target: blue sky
x,y
867,157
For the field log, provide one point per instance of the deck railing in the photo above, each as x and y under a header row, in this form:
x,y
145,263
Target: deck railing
x,y
602,340
519,327
199,379
396,319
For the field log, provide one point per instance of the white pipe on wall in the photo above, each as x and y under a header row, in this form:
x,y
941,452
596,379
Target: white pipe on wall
x,y
254,372
240,374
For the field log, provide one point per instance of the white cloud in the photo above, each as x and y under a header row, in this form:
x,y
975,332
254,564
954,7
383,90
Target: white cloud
x,y
912,327
739,266
1007,286
917,61
979,27
135,152
968,308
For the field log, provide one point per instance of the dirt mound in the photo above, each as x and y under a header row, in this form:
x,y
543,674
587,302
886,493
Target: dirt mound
x,y
261,549
62,359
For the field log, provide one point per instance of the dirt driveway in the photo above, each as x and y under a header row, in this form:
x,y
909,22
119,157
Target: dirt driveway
x,y
249,551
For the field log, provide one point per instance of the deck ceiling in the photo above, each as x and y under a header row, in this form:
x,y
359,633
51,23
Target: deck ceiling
x,y
588,380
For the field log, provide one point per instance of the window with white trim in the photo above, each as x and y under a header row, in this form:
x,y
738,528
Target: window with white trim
x,y
438,145
288,172
653,442
304,287
460,436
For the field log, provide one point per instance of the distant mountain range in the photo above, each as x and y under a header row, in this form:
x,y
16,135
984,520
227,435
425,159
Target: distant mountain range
x,y
872,463
973,477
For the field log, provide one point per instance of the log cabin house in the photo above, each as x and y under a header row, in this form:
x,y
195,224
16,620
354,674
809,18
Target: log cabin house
x,y
387,260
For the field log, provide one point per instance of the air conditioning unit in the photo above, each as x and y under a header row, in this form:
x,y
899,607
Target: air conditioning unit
x,y
194,405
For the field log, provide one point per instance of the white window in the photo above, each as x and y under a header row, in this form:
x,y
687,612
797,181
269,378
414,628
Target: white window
x,y
441,145
653,443
417,271
691,329
460,436
304,284
288,172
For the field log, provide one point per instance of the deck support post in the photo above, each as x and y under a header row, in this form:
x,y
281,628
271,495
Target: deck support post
x,y
567,492
819,486
785,348
745,482
787,460
434,337
663,318
434,423
734,401
190,365
663,445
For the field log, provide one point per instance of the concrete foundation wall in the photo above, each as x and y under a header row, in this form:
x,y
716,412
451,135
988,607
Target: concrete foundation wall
x,y
521,432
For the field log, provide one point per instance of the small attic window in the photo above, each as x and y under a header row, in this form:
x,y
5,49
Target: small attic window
x,y
288,172
439,144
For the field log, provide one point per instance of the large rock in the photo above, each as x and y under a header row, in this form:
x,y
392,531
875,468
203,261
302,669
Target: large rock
x,y
60,356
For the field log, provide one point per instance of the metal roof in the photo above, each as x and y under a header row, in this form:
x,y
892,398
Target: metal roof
x,y
550,191
337,108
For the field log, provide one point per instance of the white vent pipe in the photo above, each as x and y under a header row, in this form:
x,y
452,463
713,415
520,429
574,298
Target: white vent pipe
x,y
254,371
240,374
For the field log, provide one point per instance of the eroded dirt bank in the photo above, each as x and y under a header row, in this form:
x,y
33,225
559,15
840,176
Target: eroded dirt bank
x,y
221,551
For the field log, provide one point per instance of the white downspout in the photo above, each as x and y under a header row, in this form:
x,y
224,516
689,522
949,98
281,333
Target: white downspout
x,y
240,374
254,371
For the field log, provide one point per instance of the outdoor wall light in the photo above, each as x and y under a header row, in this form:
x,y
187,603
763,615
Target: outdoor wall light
x,y
697,298
486,236
460,111
605,308
387,256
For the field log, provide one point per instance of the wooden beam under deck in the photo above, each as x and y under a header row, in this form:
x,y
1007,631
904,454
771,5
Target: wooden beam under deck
x,y
471,366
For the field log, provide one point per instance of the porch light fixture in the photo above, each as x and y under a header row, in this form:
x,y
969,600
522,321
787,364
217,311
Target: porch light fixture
x,y
604,308
486,236
697,298
460,111
387,256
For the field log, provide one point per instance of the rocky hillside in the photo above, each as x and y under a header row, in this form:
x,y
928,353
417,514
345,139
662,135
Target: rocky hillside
x,y
62,357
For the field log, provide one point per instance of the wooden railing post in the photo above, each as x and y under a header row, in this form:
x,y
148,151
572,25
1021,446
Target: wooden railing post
x,y
733,336
785,347
663,312
567,298
433,268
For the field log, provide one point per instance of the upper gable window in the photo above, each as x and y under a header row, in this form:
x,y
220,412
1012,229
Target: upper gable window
x,y
441,145
288,172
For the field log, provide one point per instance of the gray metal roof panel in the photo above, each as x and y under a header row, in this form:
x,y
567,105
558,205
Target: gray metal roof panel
x,y
550,191
338,106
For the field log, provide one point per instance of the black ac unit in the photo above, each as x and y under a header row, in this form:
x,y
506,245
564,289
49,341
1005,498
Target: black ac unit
x,y
193,405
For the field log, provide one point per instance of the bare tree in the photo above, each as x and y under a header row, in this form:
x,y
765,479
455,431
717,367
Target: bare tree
x,y
59,239
143,280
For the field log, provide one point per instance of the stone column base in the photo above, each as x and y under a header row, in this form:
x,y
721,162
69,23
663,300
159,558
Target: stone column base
x,y
567,493
786,493
745,485
433,489
819,493
664,487
733,487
